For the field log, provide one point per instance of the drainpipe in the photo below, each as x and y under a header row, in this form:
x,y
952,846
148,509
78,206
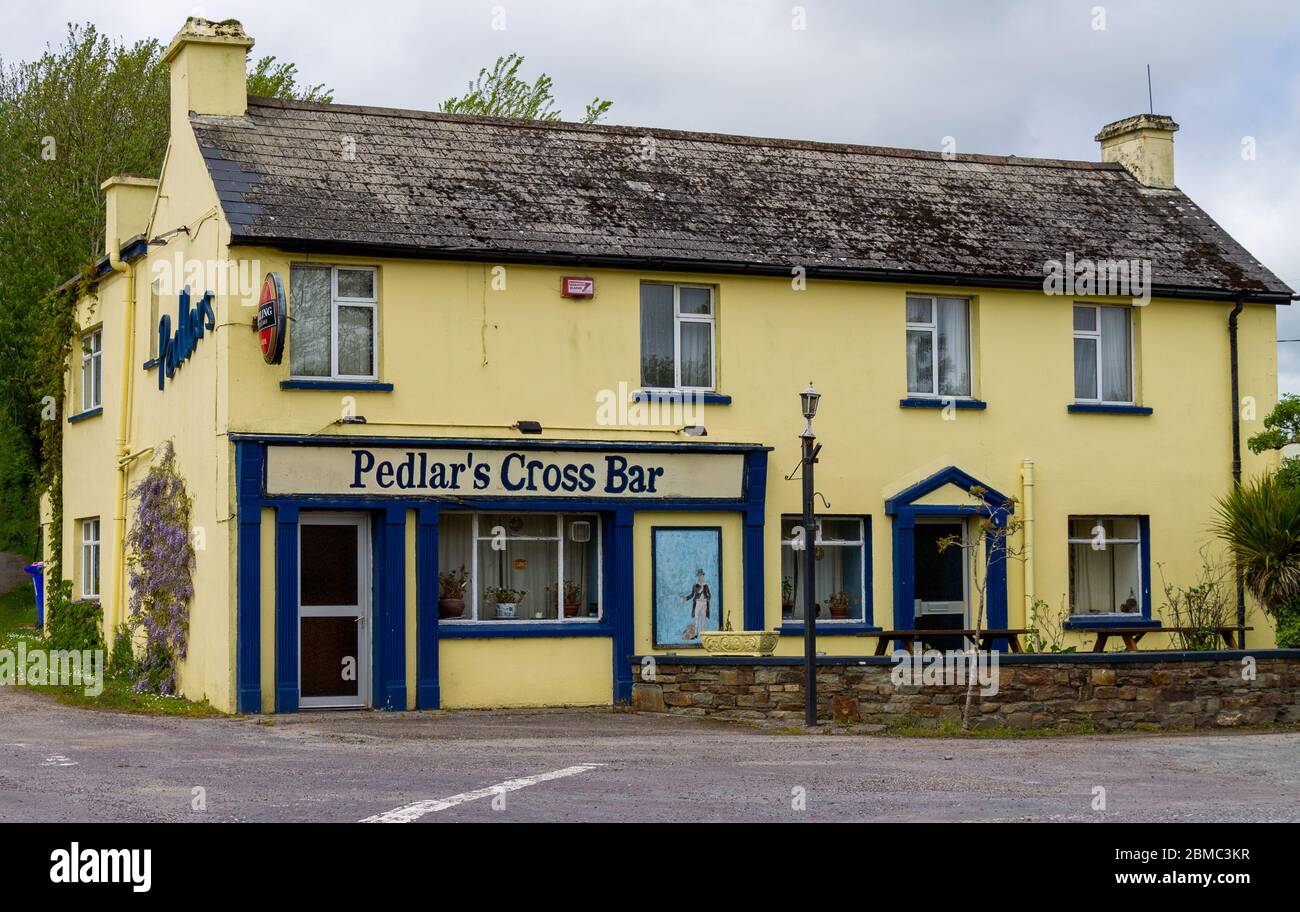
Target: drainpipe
x,y
127,270
1027,517
1236,452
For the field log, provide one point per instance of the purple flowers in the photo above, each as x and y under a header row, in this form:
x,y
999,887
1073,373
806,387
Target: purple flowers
x,y
161,558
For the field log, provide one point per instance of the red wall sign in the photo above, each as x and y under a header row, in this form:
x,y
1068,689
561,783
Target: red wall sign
x,y
271,318
577,287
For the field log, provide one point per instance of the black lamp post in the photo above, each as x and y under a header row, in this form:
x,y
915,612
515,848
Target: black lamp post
x,y
808,399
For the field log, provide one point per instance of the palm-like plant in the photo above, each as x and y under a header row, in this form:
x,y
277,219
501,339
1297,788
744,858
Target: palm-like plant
x,y
1260,521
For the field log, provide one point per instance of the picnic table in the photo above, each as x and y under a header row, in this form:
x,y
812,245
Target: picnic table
x,y
983,638
1131,635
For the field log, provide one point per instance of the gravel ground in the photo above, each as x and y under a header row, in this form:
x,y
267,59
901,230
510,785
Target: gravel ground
x,y
63,764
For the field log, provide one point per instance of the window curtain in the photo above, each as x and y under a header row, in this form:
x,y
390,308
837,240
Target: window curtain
x,y
954,347
657,336
1115,360
1085,368
697,354
310,299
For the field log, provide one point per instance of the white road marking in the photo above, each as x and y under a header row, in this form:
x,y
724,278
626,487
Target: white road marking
x,y
409,813
59,760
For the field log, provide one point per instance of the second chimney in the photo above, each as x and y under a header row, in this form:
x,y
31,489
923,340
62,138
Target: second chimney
x,y
1144,145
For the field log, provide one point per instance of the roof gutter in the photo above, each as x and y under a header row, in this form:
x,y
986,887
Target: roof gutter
x,y
726,267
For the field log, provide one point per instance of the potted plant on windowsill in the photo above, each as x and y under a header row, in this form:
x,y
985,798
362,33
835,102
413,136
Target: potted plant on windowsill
x,y
839,605
506,600
787,597
572,599
451,593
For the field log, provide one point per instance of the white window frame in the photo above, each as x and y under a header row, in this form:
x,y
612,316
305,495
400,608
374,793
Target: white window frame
x,y
90,558
92,370
932,328
476,536
1072,541
860,544
336,301
678,319
1095,334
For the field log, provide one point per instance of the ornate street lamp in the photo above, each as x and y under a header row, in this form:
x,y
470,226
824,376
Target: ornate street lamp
x,y
808,399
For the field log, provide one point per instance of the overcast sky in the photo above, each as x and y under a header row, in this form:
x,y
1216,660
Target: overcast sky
x,y
1032,78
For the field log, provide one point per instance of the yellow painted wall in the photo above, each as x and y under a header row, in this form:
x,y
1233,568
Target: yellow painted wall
x,y
572,671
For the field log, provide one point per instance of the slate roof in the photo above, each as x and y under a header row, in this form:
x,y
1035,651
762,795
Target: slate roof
x,y
459,187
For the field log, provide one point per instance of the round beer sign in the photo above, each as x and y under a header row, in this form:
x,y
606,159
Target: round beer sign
x,y
271,318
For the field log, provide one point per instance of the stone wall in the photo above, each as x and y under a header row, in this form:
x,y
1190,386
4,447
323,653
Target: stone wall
x,y
1108,691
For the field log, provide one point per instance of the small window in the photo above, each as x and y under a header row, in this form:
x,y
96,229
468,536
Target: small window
x,y
333,319
90,558
1103,354
678,347
938,346
842,554
1105,565
92,370
520,567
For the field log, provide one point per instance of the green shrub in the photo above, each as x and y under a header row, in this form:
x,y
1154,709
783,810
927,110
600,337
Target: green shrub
x,y
73,625
122,663
1288,627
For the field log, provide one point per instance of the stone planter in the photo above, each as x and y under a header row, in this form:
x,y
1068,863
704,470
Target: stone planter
x,y
739,642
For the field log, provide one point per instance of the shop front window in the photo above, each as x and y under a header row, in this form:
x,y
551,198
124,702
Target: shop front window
x,y
523,566
841,551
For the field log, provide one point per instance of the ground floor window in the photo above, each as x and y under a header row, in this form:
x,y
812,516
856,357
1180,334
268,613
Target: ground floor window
x,y
90,558
840,546
1105,565
523,566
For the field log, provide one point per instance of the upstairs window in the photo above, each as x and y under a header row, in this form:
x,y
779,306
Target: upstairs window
x,y
1103,354
938,346
677,337
92,370
332,318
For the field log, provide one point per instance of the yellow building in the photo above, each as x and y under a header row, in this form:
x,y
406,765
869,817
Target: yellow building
x,y
388,345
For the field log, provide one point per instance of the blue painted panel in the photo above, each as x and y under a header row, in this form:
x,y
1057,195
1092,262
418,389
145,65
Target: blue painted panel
x,y
622,601
393,562
248,626
927,403
286,609
427,693
1091,408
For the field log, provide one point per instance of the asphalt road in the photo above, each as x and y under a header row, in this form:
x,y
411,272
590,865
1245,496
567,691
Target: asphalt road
x,y
64,764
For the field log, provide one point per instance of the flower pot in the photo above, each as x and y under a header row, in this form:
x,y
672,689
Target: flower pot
x,y
507,610
571,609
739,643
451,608
839,611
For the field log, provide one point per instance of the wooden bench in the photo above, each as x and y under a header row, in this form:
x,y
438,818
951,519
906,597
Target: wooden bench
x,y
1131,635
983,639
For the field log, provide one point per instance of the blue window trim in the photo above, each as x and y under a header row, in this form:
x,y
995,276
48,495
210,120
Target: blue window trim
x,y
904,510
361,386
88,413
1085,622
668,396
939,402
828,628
1098,408
388,631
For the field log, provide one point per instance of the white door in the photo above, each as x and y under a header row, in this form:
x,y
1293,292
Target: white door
x,y
333,610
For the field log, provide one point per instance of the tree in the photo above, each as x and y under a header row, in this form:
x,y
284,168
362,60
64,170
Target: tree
x,y
1260,521
1281,429
500,92
78,114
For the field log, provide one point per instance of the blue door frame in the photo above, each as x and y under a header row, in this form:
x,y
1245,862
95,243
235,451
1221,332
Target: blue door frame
x,y
389,560
905,511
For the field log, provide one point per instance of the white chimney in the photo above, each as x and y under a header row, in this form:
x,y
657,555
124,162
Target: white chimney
x,y
1144,145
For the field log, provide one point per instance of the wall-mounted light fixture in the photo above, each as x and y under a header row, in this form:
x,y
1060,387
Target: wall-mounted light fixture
x,y
697,430
528,427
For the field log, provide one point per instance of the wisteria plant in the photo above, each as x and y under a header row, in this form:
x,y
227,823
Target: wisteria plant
x,y
161,562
